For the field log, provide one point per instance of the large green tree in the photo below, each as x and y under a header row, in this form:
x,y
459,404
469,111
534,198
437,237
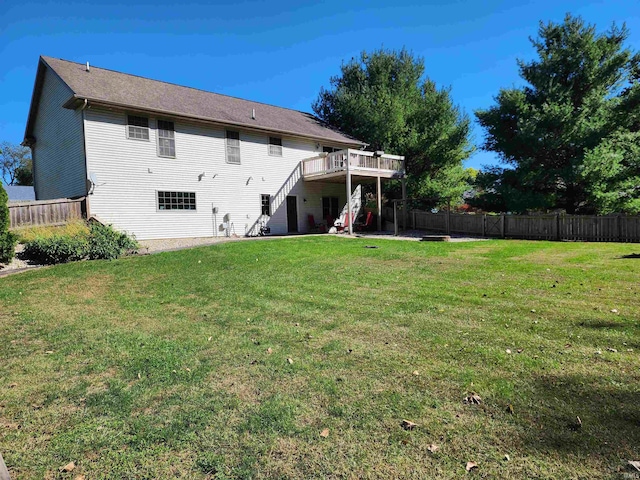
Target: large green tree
x,y
16,164
577,90
385,99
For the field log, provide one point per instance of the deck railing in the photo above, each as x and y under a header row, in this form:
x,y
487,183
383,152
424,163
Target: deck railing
x,y
358,161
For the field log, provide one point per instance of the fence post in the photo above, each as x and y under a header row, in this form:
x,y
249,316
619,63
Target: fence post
x,y
395,218
502,232
557,227
413,219
447,221
618,229
484,224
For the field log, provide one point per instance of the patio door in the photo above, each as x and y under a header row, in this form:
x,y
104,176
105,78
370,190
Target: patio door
x,y
292,214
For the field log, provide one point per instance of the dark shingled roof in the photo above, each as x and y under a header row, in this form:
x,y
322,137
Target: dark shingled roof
x,y
101,86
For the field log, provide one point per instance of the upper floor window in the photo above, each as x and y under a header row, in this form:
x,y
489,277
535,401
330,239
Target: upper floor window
x,y
275,146
137,127
233,147
330,149
166,139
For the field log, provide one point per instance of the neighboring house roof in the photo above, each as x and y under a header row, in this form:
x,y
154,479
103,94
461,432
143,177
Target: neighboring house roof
x,y
106,87
20,194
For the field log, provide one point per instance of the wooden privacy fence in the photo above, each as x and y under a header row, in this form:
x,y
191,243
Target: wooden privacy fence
x,y
591,228
46,212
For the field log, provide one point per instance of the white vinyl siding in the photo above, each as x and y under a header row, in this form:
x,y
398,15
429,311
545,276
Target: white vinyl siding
x,y
233,147
130,174
59,166
166,139
275,146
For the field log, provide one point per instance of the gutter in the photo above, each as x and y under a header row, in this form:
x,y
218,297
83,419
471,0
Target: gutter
x,y
73,101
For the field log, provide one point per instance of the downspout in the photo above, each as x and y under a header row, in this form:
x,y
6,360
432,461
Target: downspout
x,y
86,166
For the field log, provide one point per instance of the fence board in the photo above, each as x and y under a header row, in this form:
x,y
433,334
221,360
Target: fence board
x,y
589,228
48,212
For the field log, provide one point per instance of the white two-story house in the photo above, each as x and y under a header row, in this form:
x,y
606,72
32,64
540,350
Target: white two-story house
x,y
162,161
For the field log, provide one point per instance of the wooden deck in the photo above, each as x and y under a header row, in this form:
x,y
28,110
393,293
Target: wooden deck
x,y
358,163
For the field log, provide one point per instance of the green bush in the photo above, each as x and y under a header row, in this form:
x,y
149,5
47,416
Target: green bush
x,y
101,242
56,249
107,243
7,239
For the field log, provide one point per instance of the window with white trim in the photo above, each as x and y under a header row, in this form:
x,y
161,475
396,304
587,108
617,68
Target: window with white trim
x,y
176,200
166,139
275,146
330,149
137,127
233,147
265,201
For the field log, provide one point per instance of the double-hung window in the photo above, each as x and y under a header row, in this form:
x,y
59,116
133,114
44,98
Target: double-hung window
x,y
265,201
275,146
137,127
166,139
176,200
233,147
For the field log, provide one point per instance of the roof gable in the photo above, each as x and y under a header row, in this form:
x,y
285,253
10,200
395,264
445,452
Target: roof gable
x,y
108,87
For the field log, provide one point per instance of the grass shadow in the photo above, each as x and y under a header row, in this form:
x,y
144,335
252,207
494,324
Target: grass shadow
x,y
608,408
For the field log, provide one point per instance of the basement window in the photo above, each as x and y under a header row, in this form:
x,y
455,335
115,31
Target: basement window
x,y
176,200
275,146
137,127
233,147
166,139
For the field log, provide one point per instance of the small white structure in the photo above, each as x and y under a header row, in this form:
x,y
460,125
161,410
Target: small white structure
x,y
163,161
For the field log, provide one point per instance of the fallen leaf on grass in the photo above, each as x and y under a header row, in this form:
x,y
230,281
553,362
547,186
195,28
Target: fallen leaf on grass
x,y
80,477
473,399
408,425
49,352
68,467
471,465
13,385
416,372
269,350
510,409
612,350
614,310
290,361
433,448
508,350
209,339
324,433
635,464
507,457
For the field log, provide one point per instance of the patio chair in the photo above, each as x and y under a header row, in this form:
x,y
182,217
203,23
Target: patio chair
x,y
313,226
368,222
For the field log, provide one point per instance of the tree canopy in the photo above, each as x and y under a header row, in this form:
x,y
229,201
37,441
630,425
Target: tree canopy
x,y
384,98
16,164
580,90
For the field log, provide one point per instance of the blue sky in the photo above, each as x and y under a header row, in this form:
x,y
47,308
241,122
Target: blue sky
x,y
283,52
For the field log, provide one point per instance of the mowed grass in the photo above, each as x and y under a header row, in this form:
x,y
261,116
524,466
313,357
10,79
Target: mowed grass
x,y
176,365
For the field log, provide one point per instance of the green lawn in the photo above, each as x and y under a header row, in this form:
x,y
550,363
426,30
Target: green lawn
x,y
176,364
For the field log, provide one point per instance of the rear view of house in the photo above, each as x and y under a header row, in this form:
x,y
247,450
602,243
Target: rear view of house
x,y
163,161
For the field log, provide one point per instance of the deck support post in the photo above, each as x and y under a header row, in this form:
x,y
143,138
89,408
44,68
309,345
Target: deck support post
x,y
349,219
379,199
404,203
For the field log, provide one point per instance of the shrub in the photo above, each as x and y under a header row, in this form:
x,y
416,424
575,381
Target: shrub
x,y
94,242
7,239
56,249
107,243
